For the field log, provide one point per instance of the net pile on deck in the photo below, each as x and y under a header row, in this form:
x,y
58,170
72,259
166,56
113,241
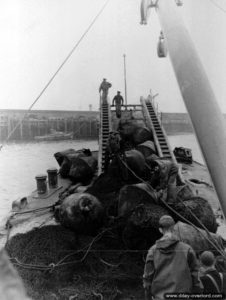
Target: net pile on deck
x,y
99,248
54,263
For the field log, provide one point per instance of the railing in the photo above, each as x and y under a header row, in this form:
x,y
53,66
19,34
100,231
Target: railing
x,y
150,126
103,133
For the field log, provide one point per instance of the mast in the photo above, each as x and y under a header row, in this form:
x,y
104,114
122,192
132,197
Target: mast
x,y
196,92
124,60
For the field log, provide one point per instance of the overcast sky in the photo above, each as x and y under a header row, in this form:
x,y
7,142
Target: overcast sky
x,y
37,35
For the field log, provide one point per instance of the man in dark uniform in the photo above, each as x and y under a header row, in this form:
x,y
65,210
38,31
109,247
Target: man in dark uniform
x,y
118,102
164,174
104,87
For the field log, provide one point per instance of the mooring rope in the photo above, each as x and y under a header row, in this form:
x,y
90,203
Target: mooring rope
x,y
37,210
56,72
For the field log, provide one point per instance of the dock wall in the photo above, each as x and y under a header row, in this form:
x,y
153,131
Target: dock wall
x,y
83,124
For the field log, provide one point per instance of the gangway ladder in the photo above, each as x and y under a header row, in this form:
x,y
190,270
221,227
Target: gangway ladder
x,y
159,134
104,129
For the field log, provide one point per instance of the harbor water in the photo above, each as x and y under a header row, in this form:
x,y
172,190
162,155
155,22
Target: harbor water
x,y
21,162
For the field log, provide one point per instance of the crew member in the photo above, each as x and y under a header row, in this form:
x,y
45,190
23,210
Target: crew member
x,y
213,281
113,147
164,174
118,102
104,87
171,265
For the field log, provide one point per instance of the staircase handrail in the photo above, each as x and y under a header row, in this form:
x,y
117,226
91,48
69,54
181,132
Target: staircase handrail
x,y
151,126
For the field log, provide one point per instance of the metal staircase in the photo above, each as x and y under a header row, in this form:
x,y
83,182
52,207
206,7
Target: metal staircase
x,y
160,137
104,129
152,122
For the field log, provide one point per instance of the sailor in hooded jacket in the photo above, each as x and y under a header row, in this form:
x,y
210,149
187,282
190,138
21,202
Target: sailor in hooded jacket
x,y
171,265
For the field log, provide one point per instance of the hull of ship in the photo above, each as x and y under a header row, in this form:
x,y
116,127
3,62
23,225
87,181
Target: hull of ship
x,y
39,237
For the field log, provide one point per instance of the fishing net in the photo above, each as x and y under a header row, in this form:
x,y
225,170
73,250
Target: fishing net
x,y
198,211
54,263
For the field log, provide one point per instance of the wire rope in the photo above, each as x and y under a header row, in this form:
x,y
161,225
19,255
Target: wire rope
x,y
218,6
213,243
56,72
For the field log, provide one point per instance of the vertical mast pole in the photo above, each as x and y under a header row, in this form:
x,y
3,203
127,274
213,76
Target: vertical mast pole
x,y
124,59
198,95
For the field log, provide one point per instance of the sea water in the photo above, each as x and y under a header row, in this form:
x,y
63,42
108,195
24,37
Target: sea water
x,y
21,162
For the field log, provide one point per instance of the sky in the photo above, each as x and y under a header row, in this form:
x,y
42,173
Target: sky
x,y
36,36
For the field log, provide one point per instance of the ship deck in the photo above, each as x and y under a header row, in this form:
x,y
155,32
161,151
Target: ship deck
x,y
34,214
38,212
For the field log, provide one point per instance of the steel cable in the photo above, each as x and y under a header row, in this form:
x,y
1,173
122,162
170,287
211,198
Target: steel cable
x,y
220,250
55,74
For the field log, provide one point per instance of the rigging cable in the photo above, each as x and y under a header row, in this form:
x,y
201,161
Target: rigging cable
x,y
214,243
218,6
57,71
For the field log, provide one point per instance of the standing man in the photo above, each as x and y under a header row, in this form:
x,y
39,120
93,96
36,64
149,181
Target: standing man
x,y
104,87
118,102
171,265
213,281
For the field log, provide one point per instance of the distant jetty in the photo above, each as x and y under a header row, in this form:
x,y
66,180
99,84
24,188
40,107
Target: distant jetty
x,y
83,124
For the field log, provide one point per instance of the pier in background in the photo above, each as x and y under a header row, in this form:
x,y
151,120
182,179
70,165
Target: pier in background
x,y
83,124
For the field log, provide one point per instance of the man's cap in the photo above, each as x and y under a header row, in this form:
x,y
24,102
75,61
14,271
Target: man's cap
x,y
166,221
207,258
104,78
118,92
